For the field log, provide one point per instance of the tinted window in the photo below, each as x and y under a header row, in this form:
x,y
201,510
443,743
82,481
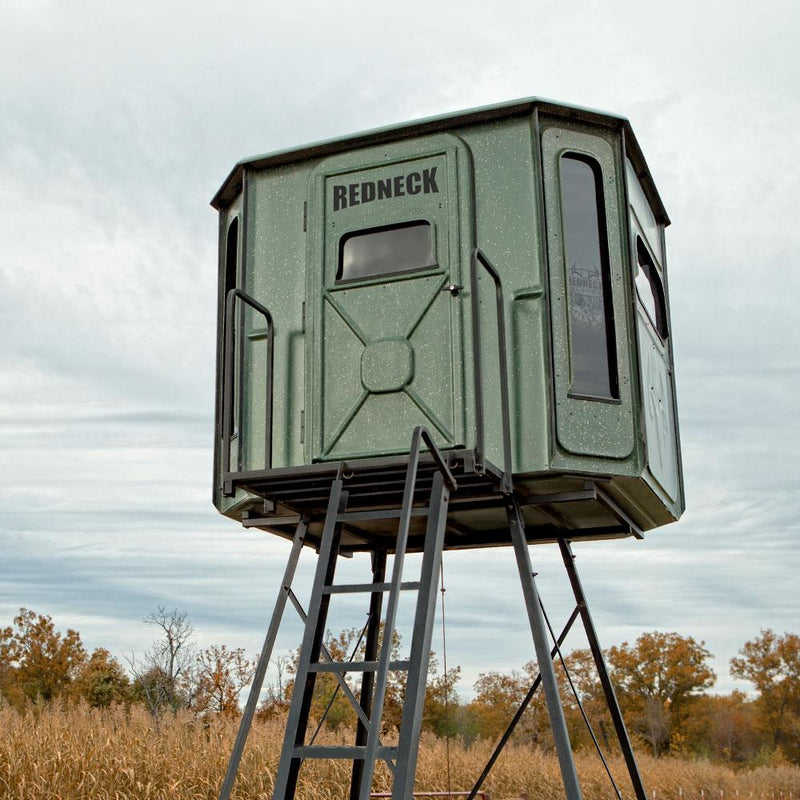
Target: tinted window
x,y
231,270
650,289
386,251
592,343
231,255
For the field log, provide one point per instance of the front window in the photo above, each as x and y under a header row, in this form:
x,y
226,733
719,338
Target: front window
x,y
387,250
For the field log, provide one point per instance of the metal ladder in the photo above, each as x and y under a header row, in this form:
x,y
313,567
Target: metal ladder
x,y
377,665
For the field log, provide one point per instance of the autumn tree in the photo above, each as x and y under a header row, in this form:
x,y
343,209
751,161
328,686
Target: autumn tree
x,y
657,679
724,728
772,664
498,695
7,668
101,680
36,661
440,712
162,677
219,676
154,689
276,702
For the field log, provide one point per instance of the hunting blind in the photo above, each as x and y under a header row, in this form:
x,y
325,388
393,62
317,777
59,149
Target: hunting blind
x,y
451,333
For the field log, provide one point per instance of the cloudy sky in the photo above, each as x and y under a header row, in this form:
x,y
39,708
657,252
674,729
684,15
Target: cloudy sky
x,y
118,123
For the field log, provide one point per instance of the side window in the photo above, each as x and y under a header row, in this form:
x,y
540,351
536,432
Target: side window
x,y
650,289
231,255
593,355
386,250
231,279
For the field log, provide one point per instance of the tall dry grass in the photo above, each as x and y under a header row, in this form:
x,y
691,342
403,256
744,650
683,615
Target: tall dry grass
x,y
73,753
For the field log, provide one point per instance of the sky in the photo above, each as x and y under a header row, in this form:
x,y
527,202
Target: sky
x,y
119,121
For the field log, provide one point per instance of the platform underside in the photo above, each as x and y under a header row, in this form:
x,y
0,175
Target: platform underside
x,y
554,506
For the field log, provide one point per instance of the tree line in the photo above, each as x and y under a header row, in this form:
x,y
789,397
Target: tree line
x,y
39,664
662,681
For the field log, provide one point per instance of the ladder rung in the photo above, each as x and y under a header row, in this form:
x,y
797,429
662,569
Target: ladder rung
x,y
351,752
350,588
321,751
354,666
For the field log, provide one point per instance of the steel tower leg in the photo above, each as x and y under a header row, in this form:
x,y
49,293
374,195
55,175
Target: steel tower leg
x,y
536,619
370,654
602,671
263,661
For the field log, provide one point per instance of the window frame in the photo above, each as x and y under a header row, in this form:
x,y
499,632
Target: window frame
x,y
608,326
646,265
388,275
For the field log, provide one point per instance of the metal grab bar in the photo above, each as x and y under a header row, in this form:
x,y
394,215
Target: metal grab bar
x,y
229,394
422,432
479,257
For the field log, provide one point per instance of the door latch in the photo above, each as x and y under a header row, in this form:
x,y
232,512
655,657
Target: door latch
x,y
453,288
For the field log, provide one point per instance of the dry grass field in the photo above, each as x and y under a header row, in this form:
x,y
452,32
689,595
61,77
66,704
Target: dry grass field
x,y
78,753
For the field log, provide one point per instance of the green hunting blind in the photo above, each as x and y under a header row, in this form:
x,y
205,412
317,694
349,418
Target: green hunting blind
x,y
452,333
497,276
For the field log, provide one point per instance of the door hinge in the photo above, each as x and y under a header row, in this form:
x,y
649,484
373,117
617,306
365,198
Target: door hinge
x,y
302,426
303,320
305,216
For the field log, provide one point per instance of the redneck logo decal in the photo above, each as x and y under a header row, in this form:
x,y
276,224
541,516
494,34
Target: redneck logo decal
x,y
354,194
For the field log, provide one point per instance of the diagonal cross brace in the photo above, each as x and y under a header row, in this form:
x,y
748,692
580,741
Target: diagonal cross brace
x,y
348,692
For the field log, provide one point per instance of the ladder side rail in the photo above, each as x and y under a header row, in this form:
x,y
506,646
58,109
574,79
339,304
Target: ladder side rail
x,y
411,724
555,709
297,722
381,674
264,658
602,671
